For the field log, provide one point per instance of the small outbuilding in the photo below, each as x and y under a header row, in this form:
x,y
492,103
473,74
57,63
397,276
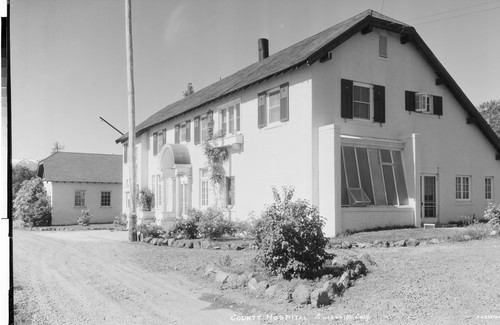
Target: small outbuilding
x,y
77,181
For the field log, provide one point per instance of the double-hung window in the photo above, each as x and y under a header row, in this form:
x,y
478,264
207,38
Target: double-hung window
x,y
273,106
201,128
229,118
362,101
372,176
462,187
423,102
80,198
105,199
183,132
488,188
204,182
155,143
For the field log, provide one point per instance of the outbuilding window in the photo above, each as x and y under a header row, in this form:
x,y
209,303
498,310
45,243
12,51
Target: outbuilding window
x,y
462,187
105,199
80,198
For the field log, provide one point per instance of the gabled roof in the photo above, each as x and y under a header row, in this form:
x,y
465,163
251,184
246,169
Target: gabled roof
x,y
81,167
309,51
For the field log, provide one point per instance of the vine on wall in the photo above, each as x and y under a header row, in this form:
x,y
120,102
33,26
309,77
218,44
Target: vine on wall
x,y
215,156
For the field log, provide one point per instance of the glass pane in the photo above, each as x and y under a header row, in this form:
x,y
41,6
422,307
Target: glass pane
x,y
274,114
231,120
351,167
361,110
343,183
400,178
364,172
390,187
378,182
386,156
361,94
237,117
458,187
274,99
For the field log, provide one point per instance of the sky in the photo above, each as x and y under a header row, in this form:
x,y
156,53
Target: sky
x,y
68,58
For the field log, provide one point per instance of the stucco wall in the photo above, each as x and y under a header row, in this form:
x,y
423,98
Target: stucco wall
x,y
447,145
64,211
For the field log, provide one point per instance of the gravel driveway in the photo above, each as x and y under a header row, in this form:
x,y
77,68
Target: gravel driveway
x,y
88,277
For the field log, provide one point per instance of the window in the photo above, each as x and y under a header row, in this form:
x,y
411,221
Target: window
x,y
423,103
229,118
272,107
361,101
462,187
155,143
223,121
79,198
372,177
382,46
204,179
201,128
183,132
105,199
488,188
230,191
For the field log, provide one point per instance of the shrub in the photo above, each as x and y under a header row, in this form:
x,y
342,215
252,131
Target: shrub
x,y
32,204
120,220
291,237
84,218
212,224
151,230
186,228
492,213
145,199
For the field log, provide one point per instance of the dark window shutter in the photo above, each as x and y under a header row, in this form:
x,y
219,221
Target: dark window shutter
x,y
379,104
284,113
188,130
346,98
262,114
177,135
410,100
155,144
438,105
197,130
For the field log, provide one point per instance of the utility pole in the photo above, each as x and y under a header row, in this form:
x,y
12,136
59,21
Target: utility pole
x,y
132,218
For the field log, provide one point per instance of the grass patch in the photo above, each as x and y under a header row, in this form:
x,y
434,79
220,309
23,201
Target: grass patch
x,y
420,234
474,231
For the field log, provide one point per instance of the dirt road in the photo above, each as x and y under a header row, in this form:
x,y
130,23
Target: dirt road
x,y
87,278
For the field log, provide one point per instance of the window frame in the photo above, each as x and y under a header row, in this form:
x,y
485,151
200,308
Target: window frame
x,y
488,191
103,199
370,103
81,199
268,106
429,107
223,113
460,188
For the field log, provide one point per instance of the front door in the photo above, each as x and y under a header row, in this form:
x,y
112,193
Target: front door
x,y
429,197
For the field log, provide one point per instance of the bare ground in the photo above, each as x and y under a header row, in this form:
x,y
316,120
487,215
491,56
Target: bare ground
x,y
68,277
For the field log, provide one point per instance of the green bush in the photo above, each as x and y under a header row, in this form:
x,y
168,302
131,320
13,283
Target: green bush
x,y
492,213
292,243
186,228
212,224
120,220
84,218
32,204
151,230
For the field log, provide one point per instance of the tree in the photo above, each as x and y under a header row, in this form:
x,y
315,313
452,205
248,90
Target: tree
x,y
32,204
189,90
19,175
490,110
57,147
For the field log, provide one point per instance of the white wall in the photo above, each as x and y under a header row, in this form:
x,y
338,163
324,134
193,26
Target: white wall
x,y
448,146
64,211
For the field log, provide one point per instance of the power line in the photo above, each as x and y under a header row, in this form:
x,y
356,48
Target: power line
x,y
453,10
451,17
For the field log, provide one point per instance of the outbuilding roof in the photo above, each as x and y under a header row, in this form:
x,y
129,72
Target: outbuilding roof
x,y
309,51
81,167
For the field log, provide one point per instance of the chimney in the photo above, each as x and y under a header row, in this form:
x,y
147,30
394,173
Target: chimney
x,y
263,48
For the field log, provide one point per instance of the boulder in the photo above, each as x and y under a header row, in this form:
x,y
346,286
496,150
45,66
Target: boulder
x,y
346,245
412,242
493,233
434,241
359,269
239,247
386,244
361,245
221,277
180,244
271,291
301,295
205,244
216,247
209,270
196,244
148,239
376,242
400,243
170,241
190,244
261,287
252,286
236,281
366,259
344,281
319,297
467,237
225,247
331,289
154,241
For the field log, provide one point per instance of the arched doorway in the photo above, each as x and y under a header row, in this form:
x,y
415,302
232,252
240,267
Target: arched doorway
x,y
176,182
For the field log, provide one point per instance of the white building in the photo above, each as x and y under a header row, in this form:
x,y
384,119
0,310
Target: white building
x,y
77,181
361,119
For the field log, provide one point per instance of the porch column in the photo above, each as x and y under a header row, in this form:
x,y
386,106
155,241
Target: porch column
x,y
329,175
416,179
